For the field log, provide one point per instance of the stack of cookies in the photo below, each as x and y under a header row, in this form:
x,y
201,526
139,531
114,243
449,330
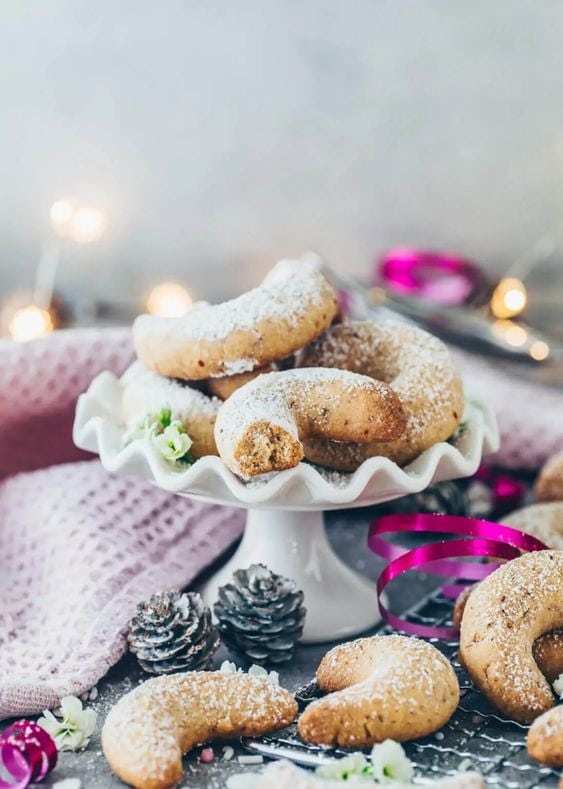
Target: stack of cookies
x,y
274,377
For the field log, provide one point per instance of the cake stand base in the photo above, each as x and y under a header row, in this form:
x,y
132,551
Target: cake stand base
x,y
340,603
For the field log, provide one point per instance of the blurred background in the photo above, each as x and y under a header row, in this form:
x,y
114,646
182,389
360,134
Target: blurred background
x,y
200,142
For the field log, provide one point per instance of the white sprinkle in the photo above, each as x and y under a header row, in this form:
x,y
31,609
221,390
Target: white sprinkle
x,y
93,694
558,686
228,753
464,765
242,781
68,783
257,759
287,295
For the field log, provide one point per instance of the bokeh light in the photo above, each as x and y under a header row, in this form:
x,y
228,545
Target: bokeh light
x,y
511,332
81,223
61,214
539,350
86,225
169,299
29,323
509,298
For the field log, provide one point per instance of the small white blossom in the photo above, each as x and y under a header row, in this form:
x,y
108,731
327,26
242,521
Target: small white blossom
x,y
227,667
558,686
354,769
390,763
73,732
173,443
259,671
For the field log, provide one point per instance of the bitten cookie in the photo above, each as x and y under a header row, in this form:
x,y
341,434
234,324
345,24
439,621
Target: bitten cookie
x,y
416,365
547,649
549,484
261,426
292,306
503,617
384,687
145,392
148,730
545,738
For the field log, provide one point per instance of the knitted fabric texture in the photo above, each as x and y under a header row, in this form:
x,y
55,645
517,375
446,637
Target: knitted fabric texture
x,y
79,548
39,384
529,416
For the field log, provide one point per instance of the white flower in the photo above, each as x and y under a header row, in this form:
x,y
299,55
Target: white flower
x,y
227,667
259,671
353,768
73,732
390,763
558,686
173,443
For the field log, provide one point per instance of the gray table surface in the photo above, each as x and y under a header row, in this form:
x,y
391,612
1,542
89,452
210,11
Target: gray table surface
x,y
347,532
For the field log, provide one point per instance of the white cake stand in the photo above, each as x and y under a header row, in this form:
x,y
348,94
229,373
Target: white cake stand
x,y
284,528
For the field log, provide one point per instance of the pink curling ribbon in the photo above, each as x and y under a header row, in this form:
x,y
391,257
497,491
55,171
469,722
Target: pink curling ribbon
x,y
27,752
435,276
489,539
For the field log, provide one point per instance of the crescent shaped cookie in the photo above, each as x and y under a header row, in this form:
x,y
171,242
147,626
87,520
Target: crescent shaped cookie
x,y
147,732
292,306
261,426
417,366
543,521
384,687
547,649
549,484
545,738
145,392
503,617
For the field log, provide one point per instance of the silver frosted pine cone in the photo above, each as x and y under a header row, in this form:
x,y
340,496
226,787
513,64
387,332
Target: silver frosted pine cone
x,y
173,632
260,615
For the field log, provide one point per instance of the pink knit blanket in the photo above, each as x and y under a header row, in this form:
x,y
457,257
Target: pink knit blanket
x,y
79,547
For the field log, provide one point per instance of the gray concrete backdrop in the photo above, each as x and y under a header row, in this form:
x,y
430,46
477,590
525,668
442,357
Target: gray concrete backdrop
x,y
221,135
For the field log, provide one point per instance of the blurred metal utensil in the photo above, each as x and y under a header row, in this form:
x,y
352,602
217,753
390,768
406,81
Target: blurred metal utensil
x,y
466,328
293,750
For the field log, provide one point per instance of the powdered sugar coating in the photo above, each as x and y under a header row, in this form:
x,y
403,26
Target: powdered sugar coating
x,y
381,687
293,305
148,730
503,617
418,367
145,392
545,738
293,283
543,521
274,397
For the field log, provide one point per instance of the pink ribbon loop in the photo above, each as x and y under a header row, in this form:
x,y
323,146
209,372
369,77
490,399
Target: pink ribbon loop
x,y
436,276
28,754
482,539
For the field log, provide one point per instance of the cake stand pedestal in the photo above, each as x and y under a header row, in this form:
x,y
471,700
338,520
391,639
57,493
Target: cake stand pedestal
x,y
285,528
339,601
